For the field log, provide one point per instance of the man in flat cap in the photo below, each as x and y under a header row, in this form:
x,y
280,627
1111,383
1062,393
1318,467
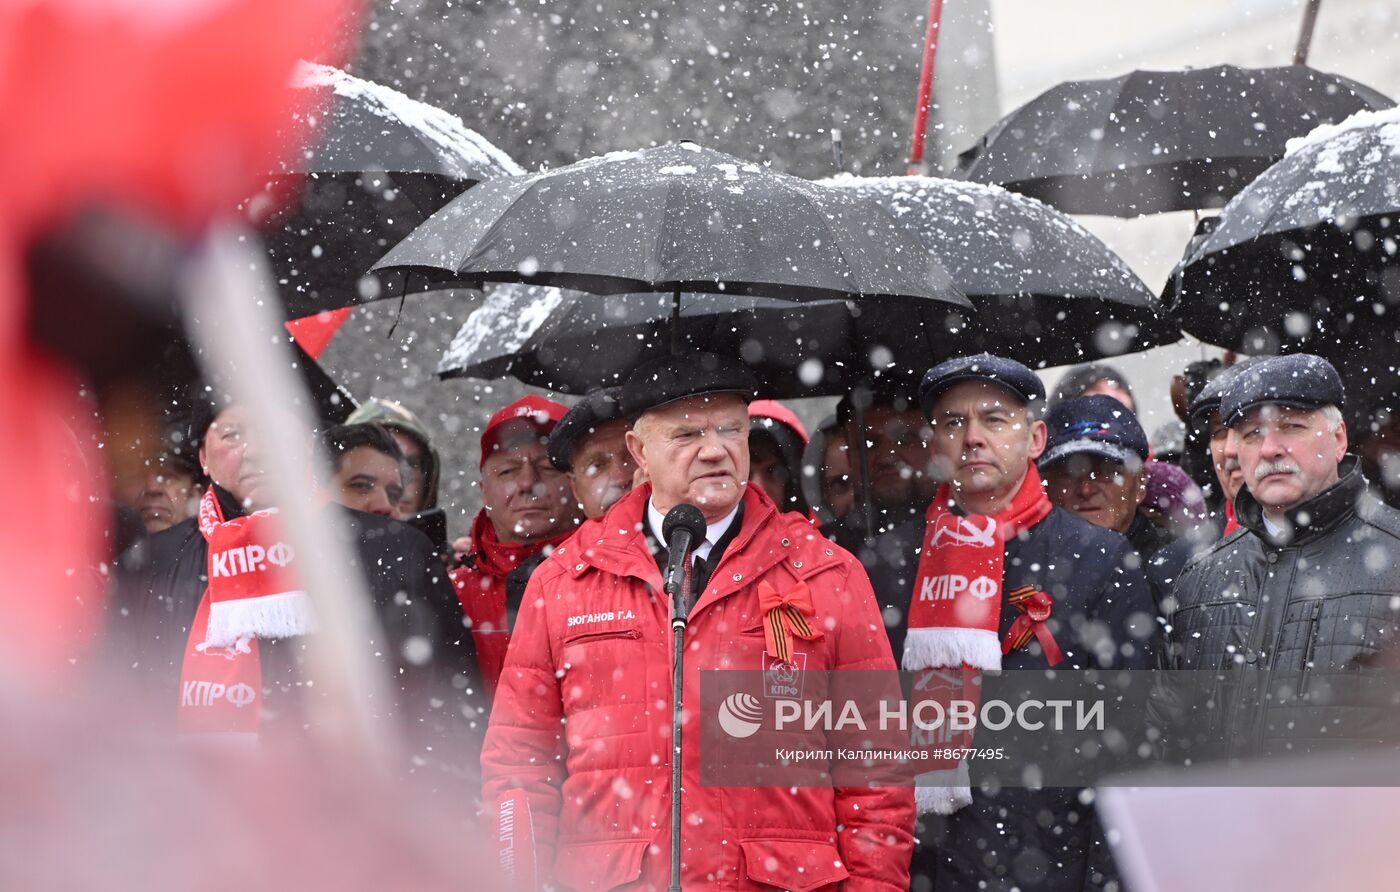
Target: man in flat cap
x,y
1222,456
1308,584
1032,586
580,734
590,445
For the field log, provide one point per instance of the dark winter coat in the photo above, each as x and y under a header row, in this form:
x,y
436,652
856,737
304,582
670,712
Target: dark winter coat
x,y
1160,559
1168,562
1322,602
1146,537
1102,617
161,580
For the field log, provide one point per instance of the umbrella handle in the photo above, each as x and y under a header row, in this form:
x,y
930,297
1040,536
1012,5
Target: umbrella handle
x,y
863,457
676,322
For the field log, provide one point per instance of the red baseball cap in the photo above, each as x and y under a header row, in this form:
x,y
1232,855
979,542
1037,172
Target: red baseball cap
x,y
536,411
776,411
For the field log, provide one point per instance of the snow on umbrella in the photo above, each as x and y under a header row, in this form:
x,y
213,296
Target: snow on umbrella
x,y
1154,141
573,342
382,164
1305,257
1048,292
673,218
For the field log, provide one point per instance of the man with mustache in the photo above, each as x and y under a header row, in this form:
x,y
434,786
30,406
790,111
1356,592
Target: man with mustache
x,y
1309,582
526,508
579,735
590,445
1223,454
1064,593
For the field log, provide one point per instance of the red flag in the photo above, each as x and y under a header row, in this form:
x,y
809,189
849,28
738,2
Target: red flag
x,y
315,332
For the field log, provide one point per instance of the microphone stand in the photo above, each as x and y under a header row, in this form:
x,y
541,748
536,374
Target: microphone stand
x,y
681,538
678,622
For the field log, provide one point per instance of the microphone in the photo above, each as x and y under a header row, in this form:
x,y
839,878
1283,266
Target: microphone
x,y
683,528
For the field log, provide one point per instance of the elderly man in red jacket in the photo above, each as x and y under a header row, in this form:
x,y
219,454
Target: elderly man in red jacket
x,y
579,740
527,508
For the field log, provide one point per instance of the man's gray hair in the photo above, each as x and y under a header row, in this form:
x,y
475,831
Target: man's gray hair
x,y
1334,418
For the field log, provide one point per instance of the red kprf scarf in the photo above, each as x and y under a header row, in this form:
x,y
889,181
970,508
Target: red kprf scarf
x,y
955,614
253,593
955,608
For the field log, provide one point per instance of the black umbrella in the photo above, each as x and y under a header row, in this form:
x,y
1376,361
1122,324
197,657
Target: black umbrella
x,y
381,165
1047,291
1153,141
1305,256
681,218
673,218
573,342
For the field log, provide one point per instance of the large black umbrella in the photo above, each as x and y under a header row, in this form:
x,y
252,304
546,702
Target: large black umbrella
x,y
673,218
381,165
1305,256
1153,141
573,342
681,218
1047,291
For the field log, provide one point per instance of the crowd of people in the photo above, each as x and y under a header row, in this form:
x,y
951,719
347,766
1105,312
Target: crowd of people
x,y
528,658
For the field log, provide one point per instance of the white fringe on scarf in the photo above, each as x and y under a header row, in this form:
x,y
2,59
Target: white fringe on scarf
x,y
949,648
283,615
944,791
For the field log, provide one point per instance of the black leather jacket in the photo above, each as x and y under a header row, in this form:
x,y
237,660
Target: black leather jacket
x,y
1322,600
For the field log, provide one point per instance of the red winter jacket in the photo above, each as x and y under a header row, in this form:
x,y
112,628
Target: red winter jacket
x,y
481,587
600,800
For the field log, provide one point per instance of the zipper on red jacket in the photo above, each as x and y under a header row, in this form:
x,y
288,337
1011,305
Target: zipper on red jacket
x,y
611,633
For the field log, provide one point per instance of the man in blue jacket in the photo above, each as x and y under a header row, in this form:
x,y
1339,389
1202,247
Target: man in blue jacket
x,y
987,433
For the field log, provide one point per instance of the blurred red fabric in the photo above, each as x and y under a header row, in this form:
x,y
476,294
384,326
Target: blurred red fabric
x,y
167,108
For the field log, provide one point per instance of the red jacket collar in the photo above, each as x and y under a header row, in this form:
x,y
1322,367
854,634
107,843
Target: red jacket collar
x,y
496,558
615,543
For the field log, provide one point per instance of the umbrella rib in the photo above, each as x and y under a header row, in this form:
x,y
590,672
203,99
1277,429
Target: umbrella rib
x,y
660,233
1112,105
495,225
835,237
